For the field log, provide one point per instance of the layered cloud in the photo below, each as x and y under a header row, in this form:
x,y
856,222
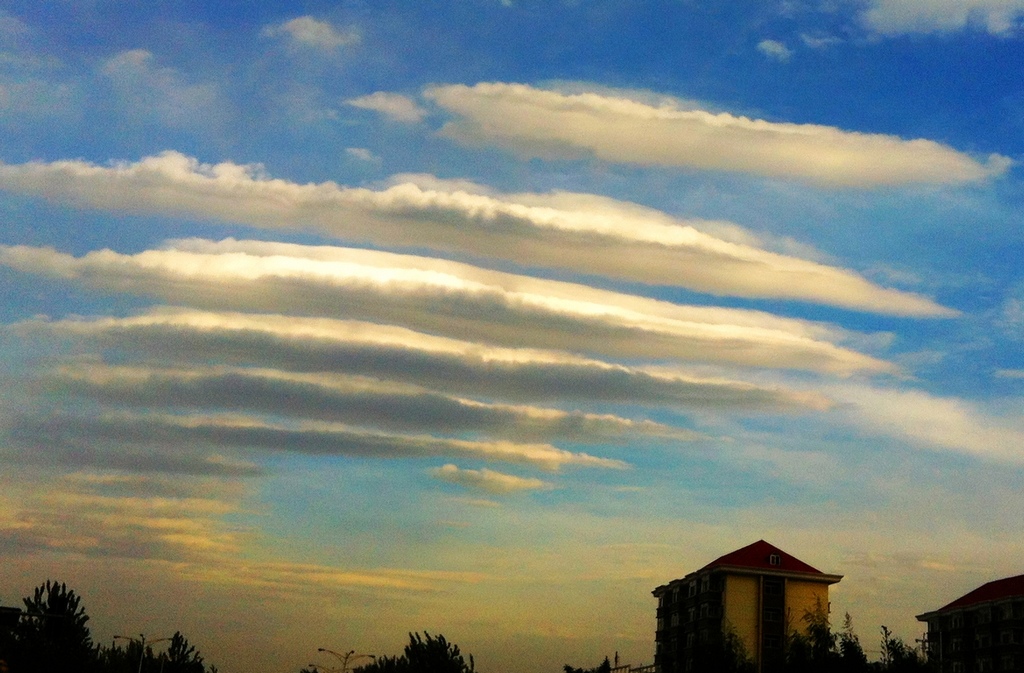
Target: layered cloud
x,y
547,123
133,516
183,529
451,299
896,17
343,399
397,354
581,232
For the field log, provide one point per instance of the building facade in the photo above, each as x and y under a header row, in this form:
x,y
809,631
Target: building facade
x,y
756,596
979,632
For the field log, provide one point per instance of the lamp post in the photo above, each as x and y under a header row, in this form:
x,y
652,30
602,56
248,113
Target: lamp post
x,y
141,640
351,655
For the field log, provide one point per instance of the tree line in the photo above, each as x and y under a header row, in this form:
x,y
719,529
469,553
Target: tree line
x,y
818,649
49,634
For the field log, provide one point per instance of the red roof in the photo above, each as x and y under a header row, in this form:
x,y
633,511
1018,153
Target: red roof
x,y
758,555
993,591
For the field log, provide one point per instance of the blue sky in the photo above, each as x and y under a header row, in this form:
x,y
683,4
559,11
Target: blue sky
x,y
486,317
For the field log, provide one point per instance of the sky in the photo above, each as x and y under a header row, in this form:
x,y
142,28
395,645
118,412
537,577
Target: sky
x,y
324,322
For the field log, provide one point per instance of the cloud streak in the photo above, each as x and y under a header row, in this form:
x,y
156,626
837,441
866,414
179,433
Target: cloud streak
x,y
546,123
451,299
581,232
497,483
313,438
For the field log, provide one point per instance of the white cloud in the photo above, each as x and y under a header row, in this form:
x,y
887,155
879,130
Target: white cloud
x,y
775,49
1010,373
488,480
308,32
539,122
392,105
584,232
449,298
897,17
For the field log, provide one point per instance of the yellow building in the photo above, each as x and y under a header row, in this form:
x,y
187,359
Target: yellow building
x,y
757,595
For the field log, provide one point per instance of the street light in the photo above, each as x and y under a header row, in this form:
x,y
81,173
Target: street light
x,y
141,640
345,658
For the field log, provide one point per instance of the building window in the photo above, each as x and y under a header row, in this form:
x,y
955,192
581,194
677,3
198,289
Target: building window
x,y
1006,637
958,645
690,612
675,595
984,616
982,640
703,635
1007,611
675,619
983,666
692,589
703,610
661,623
772,588
774,560
771,642
661,601
689,640
958,667
675,644
773,615
1008,663
956,622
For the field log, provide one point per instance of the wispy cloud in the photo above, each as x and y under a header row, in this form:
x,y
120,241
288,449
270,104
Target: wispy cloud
x,y
310,33
362,154
539,122
392,105
934,422
488,480
583,232
898,17
775,49
449,298
149,91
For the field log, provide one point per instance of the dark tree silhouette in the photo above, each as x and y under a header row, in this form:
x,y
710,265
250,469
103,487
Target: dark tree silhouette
x,y
52,637
182,657
423,654
604,667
